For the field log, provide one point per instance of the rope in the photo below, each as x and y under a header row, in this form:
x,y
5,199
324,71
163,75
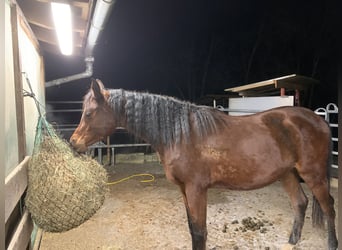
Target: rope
x,y
132,176
43,126
31,94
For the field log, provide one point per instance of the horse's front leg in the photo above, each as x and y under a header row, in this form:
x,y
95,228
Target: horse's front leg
x,y
195,200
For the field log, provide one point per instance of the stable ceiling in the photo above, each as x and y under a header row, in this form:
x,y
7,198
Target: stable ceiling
x,y
39,17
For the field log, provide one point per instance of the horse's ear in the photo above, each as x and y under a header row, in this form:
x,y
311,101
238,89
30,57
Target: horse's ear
x,y
100,83
96,88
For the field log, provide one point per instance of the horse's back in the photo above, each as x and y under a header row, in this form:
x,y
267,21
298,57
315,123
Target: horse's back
x,y
297,122
298,128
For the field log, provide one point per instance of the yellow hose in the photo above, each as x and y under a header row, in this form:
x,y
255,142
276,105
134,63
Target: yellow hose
x,y
132,176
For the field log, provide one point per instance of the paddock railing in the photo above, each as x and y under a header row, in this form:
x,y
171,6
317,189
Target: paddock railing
x,y
100,147
330,114
56,110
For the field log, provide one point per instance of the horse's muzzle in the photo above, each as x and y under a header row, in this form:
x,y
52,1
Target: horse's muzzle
x,y
79,147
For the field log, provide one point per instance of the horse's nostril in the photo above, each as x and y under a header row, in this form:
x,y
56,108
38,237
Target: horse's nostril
x,y
72,141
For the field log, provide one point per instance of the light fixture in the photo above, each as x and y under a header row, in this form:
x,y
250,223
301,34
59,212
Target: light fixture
x,y
61,14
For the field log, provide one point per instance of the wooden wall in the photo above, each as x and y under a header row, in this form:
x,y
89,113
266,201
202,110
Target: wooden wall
x,y
23,64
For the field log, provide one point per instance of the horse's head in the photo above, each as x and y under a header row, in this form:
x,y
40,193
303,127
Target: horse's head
x,y
97,119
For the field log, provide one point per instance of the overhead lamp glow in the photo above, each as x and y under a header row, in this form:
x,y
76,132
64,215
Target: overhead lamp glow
x,y
61,14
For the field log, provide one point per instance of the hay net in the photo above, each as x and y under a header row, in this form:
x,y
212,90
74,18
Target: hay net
x,y
64,189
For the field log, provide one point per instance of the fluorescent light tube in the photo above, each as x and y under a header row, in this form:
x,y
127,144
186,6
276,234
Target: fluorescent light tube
x,y
61,14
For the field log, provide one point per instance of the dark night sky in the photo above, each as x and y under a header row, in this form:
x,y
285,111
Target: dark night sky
x,y
192,48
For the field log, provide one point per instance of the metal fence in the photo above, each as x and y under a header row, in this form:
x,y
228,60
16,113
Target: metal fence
x,y
330,114
56,115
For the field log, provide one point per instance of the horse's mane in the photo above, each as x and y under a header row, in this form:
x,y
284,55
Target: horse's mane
x,y
163,120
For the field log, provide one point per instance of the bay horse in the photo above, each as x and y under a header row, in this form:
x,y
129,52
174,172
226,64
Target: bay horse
x,y
201,147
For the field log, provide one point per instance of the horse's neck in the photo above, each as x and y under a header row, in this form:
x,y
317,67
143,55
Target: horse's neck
x,y
151,131
159,121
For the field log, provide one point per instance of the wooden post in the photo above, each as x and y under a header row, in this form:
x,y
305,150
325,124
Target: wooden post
x,y
282,91
21,237
18,85
2,117
15,186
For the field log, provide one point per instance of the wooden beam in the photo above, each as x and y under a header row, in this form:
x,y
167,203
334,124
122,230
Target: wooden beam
x,y
251,86
18,85
3,91
85,8
15,186
256,93
54,49
293,85
42,75
22,235
49,36
27,28
290,82
262,83
39,14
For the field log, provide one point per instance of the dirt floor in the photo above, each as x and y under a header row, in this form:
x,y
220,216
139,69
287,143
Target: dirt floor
x,y
151,215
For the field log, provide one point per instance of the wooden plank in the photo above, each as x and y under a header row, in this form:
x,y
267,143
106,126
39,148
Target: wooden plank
x,y
42,76
18,85
55,50
4,83
38,239
22,235
288,82
27,28
49,36
260,84
300,85
259,93
15,185
39,14
251,86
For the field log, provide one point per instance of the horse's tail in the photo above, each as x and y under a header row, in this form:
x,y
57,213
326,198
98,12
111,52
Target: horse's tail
x,y
317,212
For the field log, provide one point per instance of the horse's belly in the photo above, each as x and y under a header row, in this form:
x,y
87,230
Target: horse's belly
x,y
248,163
243,165
246,174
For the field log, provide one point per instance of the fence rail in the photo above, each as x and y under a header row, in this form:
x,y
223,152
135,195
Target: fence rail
x,y
99,147
330,114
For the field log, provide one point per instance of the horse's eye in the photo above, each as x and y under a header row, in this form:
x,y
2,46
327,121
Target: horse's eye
x,y
87,114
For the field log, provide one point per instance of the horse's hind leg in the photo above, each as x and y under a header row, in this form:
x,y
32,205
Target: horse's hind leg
x,y
299,203
320,189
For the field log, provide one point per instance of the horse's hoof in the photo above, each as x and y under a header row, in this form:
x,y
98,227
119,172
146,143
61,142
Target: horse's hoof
x,y
287,246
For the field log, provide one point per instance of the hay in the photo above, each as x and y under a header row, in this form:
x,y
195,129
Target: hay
x,y
64,189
